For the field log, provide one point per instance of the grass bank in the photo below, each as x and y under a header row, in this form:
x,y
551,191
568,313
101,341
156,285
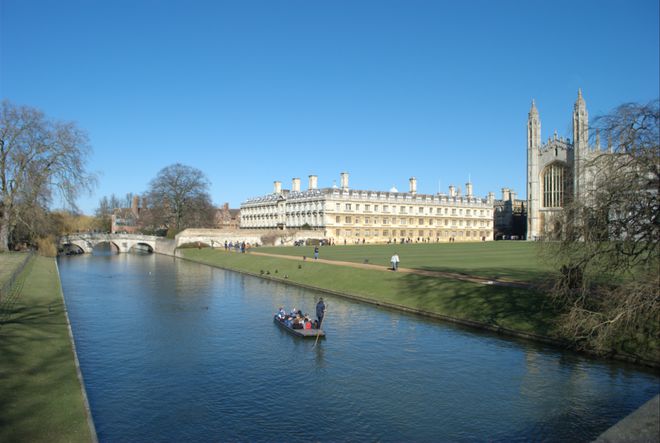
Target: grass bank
x,y
40,395
9,262
517,309
507,260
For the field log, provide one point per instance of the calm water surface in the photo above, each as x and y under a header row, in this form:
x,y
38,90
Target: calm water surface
x,y
176,351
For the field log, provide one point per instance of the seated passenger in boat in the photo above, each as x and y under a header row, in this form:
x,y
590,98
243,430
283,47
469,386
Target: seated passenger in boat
x,y
281,314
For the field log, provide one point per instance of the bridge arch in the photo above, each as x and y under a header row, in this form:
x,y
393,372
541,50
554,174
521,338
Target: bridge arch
x,y
71,249
110,246
141,248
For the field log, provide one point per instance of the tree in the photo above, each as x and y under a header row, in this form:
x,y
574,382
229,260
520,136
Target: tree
x,y
38,158
103,214
178,199
609,247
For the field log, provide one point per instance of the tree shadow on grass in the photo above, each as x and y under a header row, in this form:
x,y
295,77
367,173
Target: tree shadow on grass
x,y
521,309
37,315
40,393
532,277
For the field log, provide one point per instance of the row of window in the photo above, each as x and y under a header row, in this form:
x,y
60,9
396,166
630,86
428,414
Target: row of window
x,y
357,207
407,209
409,221
429,200
348,219
408,233
439,211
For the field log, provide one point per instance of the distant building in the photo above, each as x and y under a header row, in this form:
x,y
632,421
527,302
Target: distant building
x,y
346,215
557,170
128,220
226,218
510,217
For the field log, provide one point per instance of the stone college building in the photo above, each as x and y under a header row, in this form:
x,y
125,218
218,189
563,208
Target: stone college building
x,y
345,215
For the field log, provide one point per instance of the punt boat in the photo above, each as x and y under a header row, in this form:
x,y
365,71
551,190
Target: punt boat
x,y
304,333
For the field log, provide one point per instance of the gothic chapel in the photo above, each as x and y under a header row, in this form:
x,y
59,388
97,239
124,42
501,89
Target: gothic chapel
x,y
556,170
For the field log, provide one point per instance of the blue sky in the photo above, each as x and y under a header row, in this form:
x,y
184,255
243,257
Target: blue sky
x,y
255,91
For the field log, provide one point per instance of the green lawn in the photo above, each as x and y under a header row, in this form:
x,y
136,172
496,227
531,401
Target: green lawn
x,y
515,260
519,309
40,395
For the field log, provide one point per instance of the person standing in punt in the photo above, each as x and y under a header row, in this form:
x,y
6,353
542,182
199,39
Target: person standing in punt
x,y
320,311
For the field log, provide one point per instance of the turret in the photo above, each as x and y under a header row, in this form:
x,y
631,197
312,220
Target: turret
x,y
533,152
580,142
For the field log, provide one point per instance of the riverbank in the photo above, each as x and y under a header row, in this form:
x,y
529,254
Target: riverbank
x,y
503,306
520,311
41,398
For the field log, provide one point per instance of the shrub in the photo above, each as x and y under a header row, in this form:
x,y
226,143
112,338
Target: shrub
x,y
46,247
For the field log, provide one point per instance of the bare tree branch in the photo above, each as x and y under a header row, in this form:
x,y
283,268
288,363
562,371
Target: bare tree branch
x,y
38,157
179,199
608,252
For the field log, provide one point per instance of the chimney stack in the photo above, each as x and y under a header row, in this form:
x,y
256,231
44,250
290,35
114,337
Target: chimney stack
x,y
277,187
295,185
413,185
468,189
135,206
313,182
452,191
491,198
506,194
344,181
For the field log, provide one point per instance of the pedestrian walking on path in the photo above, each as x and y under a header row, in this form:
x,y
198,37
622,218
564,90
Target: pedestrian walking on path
x,y
395,261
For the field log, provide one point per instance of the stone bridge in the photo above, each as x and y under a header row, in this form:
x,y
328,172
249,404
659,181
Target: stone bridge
x,y
120,242
215,238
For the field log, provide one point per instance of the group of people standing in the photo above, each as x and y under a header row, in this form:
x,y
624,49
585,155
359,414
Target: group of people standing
x,y
238,246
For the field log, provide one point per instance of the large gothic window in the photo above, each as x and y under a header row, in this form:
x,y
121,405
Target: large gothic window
x,y
553,186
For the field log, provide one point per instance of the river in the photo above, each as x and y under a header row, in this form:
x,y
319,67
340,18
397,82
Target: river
x,y
176,351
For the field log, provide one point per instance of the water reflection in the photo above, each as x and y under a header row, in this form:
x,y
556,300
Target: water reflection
x,y
175,351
